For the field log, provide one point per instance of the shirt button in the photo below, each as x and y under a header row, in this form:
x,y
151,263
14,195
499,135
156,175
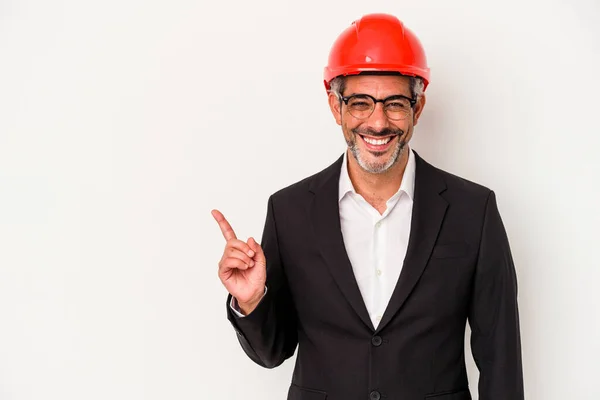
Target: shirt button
x,y
375,395
378,225
378,272
379,318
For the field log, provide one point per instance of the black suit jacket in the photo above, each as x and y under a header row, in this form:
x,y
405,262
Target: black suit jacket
x,y
458,268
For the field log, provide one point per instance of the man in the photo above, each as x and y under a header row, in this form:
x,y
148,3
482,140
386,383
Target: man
x,y
372,267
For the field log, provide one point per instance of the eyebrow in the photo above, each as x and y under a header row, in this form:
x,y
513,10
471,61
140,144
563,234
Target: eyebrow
x,y
384,98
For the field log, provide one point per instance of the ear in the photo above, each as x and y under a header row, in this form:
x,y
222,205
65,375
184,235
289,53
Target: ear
x,y
419,109
335,107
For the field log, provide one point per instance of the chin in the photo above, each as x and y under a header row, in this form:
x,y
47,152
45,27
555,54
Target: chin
x,y
377,164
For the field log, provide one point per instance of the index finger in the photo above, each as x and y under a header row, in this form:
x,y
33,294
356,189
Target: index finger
x,y
226,229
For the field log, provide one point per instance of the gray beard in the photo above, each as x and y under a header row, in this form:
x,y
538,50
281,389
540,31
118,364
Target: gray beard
x,y
376,168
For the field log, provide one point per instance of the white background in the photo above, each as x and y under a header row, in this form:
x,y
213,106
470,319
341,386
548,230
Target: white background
x,y
124,122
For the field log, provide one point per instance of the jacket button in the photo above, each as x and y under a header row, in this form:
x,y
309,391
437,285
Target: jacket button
x,y
375,395
376,341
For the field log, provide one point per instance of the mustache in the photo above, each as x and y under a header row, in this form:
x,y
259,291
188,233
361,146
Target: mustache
x,y
374,133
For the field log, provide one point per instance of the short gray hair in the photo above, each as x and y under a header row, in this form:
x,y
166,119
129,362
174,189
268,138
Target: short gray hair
x,y
417,86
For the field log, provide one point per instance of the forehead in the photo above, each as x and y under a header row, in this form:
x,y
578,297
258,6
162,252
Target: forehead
x,y
378,85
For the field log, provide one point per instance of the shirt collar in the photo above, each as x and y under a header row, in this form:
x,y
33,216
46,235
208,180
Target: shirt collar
x,y
408,179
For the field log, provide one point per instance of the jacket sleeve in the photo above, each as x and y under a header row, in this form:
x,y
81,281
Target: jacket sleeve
x,y
268,334
235,307
494,315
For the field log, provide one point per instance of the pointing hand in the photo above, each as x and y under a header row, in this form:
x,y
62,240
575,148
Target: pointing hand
x,y
243,267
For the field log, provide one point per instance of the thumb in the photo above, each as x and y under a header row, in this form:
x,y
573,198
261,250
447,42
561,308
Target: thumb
x,y
260,256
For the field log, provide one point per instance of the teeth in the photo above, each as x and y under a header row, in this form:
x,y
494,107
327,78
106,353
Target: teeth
x,y
377,142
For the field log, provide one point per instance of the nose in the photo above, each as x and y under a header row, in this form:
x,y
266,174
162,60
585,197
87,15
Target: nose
x,y
378,119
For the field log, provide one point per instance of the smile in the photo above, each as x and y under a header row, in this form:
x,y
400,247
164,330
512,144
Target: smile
x,y
377,144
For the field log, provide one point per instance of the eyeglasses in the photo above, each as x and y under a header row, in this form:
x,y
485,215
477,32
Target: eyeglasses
x,y
396,107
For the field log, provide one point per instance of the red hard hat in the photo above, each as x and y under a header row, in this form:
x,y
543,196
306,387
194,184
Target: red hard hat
x,y
377,42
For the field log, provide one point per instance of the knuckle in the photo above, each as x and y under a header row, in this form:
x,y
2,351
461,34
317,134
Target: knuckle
x,y
233,262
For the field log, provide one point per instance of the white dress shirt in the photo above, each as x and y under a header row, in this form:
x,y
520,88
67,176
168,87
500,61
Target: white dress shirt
x,y
376,243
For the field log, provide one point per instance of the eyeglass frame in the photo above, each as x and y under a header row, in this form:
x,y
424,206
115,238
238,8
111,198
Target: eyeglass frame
x,y
345,99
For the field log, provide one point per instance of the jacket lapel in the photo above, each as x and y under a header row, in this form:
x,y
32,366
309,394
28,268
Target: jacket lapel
x,y
428,212
325,218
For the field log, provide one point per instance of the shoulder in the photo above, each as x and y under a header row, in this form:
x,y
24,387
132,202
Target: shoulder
x,y
456,187
464,185
300,191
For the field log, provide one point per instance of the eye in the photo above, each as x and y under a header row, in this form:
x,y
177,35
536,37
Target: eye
x,y
359,104
397,105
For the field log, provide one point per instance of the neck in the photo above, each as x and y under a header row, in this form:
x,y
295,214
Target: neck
x,y
377,188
